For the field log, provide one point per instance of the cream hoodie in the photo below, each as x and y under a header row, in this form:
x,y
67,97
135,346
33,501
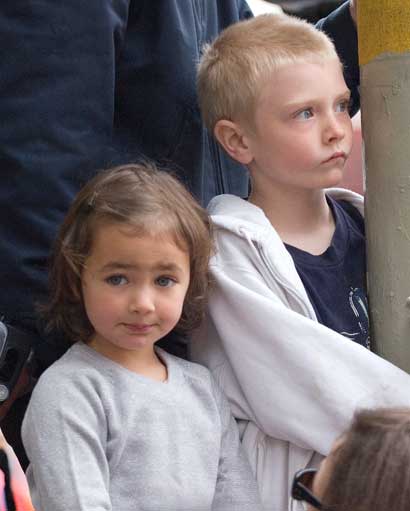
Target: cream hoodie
x,y
293,384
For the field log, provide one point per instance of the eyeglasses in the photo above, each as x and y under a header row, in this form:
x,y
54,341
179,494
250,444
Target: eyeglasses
x,y
302,487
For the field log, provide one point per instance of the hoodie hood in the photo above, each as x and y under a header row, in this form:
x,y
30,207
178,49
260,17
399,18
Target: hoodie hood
x,y
235,214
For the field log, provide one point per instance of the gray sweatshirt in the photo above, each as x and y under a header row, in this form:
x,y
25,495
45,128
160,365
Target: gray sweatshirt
x,y
100,438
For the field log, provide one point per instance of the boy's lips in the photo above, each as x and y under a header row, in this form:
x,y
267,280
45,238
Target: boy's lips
x,y
335,156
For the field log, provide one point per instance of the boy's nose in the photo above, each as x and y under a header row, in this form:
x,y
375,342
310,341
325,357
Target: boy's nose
x,y
141,301
333,130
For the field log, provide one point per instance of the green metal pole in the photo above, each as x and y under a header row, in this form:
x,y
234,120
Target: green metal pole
x,y
384,54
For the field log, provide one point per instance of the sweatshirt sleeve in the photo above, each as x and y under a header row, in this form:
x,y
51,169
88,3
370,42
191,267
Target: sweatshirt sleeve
x,y
340,28
296,379
64,434
236,487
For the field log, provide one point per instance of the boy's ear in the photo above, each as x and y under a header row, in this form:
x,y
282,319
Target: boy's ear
x,y
231,137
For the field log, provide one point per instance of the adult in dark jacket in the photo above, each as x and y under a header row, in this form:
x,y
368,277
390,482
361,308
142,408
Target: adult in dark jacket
x,y
84,85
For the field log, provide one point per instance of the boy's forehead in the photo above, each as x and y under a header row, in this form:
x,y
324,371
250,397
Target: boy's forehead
x,y
303,66
302,78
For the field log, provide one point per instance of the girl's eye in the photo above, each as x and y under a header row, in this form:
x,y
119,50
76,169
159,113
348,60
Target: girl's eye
x,y
116,280
165,281
343,106
304,115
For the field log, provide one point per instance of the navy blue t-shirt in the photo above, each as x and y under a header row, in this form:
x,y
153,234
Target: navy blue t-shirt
x,y
335,281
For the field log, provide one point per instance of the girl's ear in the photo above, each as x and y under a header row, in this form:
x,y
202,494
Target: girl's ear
x,y
231,137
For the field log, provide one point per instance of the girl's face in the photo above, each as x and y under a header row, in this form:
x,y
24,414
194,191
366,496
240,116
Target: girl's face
x,y
133,289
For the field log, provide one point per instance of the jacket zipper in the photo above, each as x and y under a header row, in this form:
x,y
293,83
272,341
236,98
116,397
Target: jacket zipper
x,y
290,289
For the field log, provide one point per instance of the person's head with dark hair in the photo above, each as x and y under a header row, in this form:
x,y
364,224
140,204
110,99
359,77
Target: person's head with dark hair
x,y
368,468
131,259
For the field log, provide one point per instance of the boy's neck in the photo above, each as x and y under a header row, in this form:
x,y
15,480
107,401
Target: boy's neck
x,y
302,219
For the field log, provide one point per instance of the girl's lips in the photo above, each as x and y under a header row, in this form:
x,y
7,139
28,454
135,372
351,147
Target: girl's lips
x,y
138,327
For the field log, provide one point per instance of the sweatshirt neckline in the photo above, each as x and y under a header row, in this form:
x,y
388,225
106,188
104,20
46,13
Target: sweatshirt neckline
x,y
112,366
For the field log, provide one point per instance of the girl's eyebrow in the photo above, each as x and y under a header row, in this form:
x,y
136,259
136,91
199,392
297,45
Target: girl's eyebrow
x,y
169,266
117,265
114,265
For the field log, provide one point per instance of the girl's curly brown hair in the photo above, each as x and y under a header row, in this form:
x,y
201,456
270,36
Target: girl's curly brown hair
x,y
151,201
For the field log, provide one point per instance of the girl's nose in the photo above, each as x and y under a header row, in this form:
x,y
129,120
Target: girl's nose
x,y
141,301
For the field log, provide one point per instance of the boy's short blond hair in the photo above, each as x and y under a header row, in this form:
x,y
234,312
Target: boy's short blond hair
x,y
238,62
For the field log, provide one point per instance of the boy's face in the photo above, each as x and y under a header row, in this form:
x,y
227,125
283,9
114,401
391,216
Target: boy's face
x,y
303,132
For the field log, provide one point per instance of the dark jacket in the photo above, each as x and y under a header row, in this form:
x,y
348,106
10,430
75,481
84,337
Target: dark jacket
x,y
339,26
88,84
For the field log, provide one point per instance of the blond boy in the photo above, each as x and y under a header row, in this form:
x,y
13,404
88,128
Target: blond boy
x,y
286,332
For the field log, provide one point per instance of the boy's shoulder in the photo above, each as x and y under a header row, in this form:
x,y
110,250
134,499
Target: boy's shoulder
x,y
237,208
348,196
348,208
237,216
233,213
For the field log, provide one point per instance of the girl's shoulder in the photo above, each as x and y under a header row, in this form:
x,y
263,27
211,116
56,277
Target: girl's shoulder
x,y
77,371
78,358
188,369
197,377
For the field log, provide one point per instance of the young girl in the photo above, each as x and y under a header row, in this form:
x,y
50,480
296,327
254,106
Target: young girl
x,y
116,423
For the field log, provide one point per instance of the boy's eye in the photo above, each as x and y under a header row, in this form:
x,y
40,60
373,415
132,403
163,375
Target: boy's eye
x,y
165,281
343,106
305,114
117,280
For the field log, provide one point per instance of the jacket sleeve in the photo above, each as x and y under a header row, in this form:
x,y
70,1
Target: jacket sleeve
x,y
340,28
57,73
64,433
294,378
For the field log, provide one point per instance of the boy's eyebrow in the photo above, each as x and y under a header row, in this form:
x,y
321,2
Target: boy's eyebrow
x,y
305,101
347,92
